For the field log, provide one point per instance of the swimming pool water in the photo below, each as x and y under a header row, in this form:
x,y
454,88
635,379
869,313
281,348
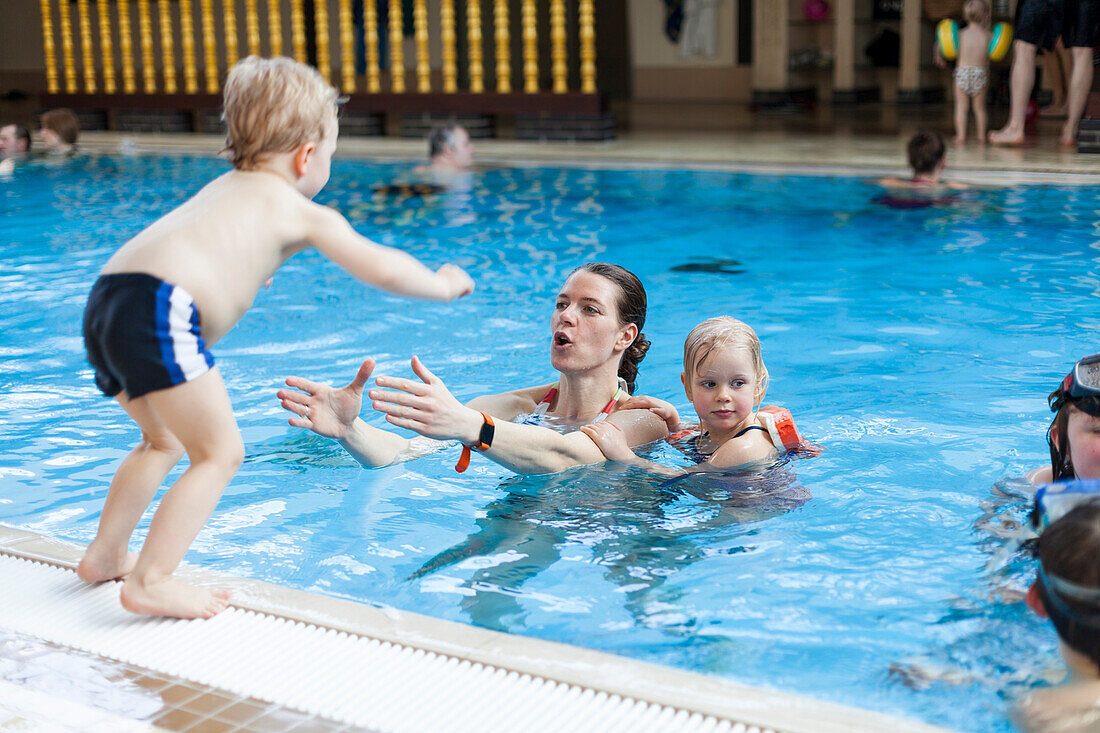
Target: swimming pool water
x,y
916,346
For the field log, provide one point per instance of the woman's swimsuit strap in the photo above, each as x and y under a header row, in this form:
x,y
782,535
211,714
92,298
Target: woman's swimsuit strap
x,y
535,417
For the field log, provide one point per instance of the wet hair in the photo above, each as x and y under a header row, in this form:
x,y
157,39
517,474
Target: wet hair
x,y
62,122
925,151
1062,405
273,106
720,332
1069,577
632,309
441,138
976,12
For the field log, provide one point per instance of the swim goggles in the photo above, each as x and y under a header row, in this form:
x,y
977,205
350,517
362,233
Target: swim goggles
x,y
1053,501
1082,383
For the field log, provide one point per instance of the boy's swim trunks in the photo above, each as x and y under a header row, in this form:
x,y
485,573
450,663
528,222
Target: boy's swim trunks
x,y
971,80
142,334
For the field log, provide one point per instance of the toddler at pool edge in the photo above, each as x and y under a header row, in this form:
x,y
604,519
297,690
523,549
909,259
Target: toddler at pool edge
x,y
210,256
971,70
725,379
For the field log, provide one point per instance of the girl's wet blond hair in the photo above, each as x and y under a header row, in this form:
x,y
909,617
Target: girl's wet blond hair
x,y
720,332
273,106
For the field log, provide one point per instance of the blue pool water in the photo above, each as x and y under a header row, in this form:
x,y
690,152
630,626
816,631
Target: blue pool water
x,y
916,346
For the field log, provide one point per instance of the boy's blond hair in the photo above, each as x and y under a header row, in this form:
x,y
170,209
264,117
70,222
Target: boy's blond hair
x,y
718,332
273,106
976,12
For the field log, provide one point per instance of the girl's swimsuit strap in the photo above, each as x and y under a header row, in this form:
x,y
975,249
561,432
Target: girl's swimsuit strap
x,y
750,427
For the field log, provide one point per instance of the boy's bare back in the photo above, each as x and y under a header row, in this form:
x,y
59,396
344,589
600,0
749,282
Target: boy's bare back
x,y
224,243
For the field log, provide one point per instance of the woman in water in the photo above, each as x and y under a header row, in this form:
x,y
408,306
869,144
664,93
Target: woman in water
x,y
596,345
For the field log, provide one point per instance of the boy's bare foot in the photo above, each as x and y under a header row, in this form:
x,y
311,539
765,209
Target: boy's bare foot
x,y
98,565
960,140
170,597
1007,136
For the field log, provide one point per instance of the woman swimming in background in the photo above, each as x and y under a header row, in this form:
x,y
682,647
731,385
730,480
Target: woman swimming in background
x,y
1074,434
596,345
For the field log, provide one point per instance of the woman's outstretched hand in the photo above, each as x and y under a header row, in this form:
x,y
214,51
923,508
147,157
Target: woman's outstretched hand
x,y
426,407
322,408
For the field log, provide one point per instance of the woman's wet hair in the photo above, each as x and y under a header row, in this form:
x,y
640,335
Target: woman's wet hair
x,y
631,305
1069,582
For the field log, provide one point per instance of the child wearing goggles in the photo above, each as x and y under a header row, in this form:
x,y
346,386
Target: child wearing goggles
x,y
1074,434
1067,591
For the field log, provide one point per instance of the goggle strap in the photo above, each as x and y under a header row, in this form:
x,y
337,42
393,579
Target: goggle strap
x,y
1069,589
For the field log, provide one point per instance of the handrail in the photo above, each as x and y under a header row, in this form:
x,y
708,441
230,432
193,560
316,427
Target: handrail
x,y
185,40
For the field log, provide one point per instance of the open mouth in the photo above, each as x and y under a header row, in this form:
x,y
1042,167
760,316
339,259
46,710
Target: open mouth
x,y
560,339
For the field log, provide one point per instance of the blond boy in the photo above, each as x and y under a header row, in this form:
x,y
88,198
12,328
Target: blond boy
x,y
177,287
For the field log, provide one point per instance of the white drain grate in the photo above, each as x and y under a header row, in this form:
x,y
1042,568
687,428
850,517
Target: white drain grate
x,y
343,677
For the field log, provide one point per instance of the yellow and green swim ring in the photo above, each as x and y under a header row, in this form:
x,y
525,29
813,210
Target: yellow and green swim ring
x,y
1000,42
947,35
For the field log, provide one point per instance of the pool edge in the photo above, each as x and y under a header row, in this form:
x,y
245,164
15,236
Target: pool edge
x,y
599,671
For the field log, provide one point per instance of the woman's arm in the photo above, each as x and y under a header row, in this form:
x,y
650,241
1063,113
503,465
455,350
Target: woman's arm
x,y
428,408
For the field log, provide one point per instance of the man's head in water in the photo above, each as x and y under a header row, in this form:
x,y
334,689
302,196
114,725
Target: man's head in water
x,y
926,152
449,148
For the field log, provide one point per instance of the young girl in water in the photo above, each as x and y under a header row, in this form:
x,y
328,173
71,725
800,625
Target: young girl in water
x,y
1074,434
725,379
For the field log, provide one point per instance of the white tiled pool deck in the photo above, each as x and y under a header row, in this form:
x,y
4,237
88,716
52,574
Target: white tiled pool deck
x,y
282,659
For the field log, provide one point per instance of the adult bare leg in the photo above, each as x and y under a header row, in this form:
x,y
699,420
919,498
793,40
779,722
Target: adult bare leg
x,y
199,414
1022,82
1080,83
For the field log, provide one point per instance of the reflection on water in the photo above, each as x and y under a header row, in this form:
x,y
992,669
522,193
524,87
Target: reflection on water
x,y
73,676
642,531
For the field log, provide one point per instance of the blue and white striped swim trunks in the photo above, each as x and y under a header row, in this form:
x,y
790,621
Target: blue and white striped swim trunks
x,y
142,334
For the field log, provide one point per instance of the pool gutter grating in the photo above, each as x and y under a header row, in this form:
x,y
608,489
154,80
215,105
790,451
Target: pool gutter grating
x,y
333,674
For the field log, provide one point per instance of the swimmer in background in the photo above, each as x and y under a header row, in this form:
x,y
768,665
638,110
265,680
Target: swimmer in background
x,y
176,288
725,379
1067,591
1074,434
15,144
59,131
450,152
927,157
971,70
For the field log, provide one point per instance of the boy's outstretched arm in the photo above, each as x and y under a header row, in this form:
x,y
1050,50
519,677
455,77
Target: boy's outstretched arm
x,y
384,267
